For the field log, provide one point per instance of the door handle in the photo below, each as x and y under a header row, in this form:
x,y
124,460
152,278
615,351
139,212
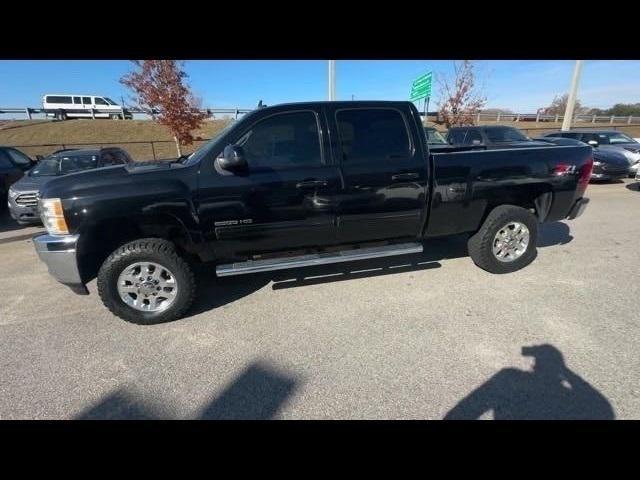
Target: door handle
x,y
311,184
405,176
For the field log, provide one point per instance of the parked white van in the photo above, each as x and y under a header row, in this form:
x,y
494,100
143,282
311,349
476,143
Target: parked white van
x,y
62,106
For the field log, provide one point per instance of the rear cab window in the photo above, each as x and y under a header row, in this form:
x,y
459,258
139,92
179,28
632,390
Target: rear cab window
x,y
505,135
456,136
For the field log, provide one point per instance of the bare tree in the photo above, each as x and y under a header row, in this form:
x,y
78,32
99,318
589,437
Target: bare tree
x,y
461,99
159,87
559,106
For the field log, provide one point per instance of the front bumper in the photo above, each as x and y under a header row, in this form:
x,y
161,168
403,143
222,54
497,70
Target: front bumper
x,y
609,176
59,253
578,208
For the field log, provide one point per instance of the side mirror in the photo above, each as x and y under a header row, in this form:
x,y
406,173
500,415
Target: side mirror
x,y
232,158
38,158
593,143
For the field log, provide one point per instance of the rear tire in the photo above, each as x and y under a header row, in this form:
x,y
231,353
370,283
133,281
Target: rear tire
x,y
481,245
155,251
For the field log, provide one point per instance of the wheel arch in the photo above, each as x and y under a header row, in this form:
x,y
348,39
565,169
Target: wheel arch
x,y
99,239
537,198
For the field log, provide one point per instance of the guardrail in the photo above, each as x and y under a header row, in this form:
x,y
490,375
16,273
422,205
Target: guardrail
x,y
540,118
28,111
487,117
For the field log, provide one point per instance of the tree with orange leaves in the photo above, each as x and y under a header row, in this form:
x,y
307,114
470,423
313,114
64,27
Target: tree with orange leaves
x,y
159,87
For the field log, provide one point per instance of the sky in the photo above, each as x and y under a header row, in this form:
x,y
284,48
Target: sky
x,y
519,85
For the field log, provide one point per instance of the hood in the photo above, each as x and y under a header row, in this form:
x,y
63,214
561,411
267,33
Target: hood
x,y
30,184
101,180
610,156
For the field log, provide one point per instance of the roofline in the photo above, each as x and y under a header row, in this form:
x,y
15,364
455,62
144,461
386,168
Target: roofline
x,y
72,95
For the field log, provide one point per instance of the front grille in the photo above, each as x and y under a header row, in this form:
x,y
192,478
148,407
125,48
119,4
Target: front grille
x,y
27,199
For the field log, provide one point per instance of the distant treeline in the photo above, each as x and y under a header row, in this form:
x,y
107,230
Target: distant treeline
x,y
619,109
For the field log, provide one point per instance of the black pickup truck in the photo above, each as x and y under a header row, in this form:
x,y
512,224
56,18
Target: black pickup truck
x,y
297,185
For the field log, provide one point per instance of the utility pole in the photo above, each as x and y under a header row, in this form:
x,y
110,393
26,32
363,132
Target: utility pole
x,y
332,80
571,102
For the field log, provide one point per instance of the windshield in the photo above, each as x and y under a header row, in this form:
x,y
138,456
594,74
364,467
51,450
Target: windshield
x,y
109,101
55,166
200,153
505,135
434,137
620,138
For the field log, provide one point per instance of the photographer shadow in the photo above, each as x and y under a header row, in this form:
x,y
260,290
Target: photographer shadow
x,y
550,392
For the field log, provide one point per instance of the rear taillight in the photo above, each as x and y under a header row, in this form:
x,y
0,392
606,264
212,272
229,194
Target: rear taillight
x,y
585,175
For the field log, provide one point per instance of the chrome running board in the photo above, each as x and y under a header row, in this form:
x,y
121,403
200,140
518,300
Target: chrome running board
x,y
255,266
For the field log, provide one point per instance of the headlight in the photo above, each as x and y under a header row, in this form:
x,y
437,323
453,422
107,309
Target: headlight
x,y
13,193
633,157
597,162
53,216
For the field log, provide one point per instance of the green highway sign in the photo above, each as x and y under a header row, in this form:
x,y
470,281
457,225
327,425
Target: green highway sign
x,y
421,87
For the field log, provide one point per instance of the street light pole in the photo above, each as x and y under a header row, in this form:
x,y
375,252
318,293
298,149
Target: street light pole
x,y
332,80
571,101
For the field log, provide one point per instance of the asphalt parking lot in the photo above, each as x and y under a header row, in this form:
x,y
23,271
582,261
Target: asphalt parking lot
x,y
427,336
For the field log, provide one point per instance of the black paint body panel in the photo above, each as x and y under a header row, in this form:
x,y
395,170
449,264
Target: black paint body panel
x,y
222,215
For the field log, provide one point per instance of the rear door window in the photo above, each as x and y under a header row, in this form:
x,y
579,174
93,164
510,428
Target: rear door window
x,y
86,100
373,134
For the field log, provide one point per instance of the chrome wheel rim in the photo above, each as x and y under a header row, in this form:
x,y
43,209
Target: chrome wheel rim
x,y
511,241
147,287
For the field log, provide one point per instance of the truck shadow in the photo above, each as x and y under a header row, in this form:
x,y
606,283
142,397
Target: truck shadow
x,y
634,187
551,391
258,393
215,292
554,233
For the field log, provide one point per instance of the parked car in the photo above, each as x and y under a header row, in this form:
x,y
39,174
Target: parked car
x,y
63,106
13,165
275,191
607,164
23,194
434,137
607,140
490,137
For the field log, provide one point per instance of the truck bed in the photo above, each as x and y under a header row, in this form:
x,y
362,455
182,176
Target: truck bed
x,y
466,184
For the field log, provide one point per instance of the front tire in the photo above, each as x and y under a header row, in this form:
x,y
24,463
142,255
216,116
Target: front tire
x,y
507,240
146,282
